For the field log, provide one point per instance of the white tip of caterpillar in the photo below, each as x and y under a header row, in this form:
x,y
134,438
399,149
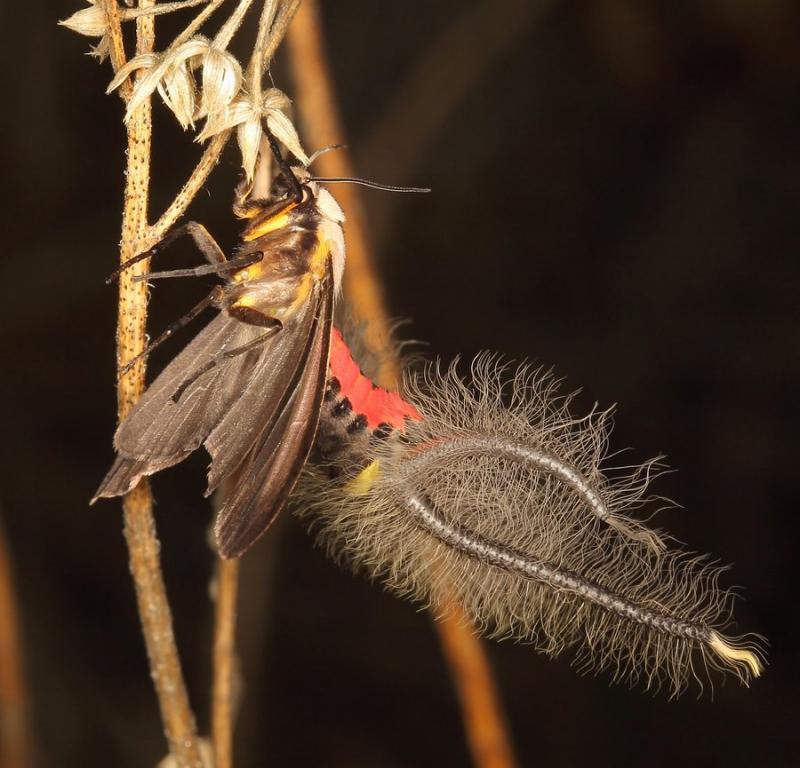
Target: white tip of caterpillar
x,y
741,659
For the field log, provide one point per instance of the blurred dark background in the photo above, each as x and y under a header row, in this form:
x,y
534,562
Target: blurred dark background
x,y
616,194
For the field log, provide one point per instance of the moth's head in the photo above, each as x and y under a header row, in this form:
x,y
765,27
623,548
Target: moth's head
x,y
283,188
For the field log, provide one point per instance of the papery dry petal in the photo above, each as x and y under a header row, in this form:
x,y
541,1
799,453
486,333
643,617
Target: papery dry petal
x,y
249,135
235,114
222,79
89,21
177,89
284,131
193,48
274,98
143,61
145,86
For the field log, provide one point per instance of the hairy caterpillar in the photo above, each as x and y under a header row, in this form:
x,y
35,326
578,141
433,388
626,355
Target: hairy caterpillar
x,y
492,494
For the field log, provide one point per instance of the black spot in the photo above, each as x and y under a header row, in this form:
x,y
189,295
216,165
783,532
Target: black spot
x,y
342,408
332,389
383,430
357,424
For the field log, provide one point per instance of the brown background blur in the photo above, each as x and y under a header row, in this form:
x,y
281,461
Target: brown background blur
x,y
616,193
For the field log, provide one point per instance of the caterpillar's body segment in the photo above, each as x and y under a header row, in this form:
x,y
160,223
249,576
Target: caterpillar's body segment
x,y
500,503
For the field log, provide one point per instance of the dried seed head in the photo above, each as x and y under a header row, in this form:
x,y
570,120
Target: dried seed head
x,y
247,117
89,21
158,66
102,50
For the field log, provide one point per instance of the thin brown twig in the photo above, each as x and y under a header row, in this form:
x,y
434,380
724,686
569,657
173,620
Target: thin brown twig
x,y
117,44
15,750
224,662
140,532
480,704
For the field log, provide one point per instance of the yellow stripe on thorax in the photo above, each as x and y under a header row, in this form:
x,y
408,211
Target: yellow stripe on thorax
x,y
278,221
319,259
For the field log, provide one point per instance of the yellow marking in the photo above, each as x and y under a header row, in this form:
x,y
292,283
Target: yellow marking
x,y
319,259
731,654
277,221
303,292
247,300
362,483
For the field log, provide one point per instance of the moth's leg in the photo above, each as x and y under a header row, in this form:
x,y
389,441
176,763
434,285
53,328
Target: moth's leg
x,y
214,299
225,356
202,239
237,262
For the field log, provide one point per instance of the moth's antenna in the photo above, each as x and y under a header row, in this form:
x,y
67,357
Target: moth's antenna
x,y
367,183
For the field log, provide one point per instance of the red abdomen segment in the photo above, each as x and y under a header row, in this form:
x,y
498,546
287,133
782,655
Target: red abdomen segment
x,y
377,405
355,412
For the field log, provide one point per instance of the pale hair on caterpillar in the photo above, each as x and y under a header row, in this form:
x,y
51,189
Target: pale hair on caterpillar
x,y
498,498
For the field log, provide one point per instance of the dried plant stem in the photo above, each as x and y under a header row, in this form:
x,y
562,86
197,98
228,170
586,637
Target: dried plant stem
x,y
224,661
160,9
15,749
140,532
483,720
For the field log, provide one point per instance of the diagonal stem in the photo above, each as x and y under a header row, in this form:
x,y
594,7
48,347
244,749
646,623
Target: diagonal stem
x,y
482,714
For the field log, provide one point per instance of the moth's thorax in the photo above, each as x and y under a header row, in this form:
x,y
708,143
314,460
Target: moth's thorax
x,y
296,240
293,237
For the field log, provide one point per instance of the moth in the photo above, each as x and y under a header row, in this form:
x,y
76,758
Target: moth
x,y
249,387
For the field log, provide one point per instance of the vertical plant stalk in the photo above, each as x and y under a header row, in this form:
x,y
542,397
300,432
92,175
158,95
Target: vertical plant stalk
x,y
139,528
15,751
224,660
484,723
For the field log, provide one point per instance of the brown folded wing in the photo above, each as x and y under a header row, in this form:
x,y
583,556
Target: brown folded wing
x,y
288,422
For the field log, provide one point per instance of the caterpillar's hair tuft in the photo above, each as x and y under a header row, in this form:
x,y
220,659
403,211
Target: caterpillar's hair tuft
x,y
497,498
